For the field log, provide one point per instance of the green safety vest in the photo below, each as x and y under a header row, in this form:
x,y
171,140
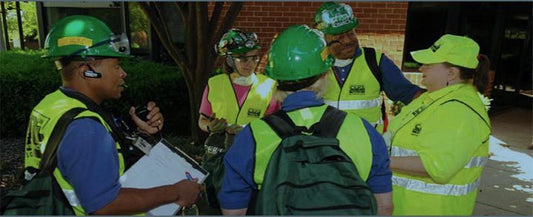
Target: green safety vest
x,y
360,93
224,100
359,149
452,186
43,119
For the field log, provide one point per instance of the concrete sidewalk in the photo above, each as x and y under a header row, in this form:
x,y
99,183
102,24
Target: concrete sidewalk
x,y
507,182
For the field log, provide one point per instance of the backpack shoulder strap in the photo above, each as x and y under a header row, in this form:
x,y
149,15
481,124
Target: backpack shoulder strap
x,y
330,123
48,161
281,123
370,57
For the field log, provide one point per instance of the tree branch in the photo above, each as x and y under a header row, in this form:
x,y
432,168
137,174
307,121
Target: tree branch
x,y
157,22
190,34
201,35
215,16
231,15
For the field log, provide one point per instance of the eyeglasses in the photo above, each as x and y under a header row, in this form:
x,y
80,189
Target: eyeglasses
x,y
243,59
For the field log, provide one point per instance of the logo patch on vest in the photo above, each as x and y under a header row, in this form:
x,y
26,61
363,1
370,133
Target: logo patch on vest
x,y
33,140
418,111
416,130
357,89
254,112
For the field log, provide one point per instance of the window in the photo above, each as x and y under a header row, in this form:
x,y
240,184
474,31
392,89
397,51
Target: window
x,y
109,12
502,30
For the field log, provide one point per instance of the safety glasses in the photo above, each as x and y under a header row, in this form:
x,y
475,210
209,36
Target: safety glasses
x,y
119,43
243,59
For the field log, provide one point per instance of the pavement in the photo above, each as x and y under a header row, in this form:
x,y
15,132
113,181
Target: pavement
x,y
506,186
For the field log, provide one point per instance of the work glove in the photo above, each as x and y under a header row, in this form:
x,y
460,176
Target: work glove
x,y
217,125
396,107
233,129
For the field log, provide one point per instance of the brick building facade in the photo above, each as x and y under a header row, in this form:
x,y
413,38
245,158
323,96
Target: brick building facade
x,y
382,24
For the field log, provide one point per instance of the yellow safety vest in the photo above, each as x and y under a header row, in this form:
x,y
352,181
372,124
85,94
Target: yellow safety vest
x,y
224,100
359,150
360,93
449,130
43,119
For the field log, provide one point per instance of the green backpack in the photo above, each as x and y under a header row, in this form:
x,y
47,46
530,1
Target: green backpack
x,y
42,195
308,173
215,147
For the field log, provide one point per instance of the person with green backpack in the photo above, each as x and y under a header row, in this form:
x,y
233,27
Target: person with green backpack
x,y
308,158
359,74
91,151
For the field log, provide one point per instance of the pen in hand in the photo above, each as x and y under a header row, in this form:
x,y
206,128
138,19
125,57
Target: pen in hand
x,y
189,177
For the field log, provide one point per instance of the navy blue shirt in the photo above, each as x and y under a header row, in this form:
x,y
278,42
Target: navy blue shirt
x,y
238,184
88,159
395,85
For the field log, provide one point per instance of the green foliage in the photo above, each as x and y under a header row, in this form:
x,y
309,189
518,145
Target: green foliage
x,y
29,20
25,78
138,20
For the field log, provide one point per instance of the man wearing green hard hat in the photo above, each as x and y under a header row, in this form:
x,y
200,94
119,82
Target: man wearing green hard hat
x,y
359,75
299,60
91,155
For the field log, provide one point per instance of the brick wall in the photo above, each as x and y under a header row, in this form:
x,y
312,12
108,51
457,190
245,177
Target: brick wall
x,y
382,24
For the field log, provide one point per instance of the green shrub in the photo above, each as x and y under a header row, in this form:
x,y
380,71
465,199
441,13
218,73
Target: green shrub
x,y
25,78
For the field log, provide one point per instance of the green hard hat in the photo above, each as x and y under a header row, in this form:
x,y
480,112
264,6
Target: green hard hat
x,y
236,41
299,52
81,36
334,18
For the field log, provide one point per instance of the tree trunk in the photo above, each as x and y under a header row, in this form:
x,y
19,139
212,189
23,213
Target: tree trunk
x,y
196,60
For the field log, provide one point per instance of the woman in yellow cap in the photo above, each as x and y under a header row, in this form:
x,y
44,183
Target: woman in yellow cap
x,y
439,142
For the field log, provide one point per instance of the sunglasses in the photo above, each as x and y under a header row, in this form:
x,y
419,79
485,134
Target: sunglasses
x,y
119,43
254,58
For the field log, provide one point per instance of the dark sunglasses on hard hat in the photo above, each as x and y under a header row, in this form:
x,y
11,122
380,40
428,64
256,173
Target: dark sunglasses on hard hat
x,y
119,43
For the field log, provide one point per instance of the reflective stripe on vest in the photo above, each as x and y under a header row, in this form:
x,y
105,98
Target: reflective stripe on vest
x,y
446,189
355,104
477,162
360,93
71,197
224,101
402,152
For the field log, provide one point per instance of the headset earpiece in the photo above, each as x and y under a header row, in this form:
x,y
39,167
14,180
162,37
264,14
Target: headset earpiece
x,y
91,74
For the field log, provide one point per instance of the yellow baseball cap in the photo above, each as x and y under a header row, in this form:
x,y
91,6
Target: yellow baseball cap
x,y
457,50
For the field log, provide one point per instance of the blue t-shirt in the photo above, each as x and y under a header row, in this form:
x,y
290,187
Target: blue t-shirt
x,y
88,160
395,85
238,184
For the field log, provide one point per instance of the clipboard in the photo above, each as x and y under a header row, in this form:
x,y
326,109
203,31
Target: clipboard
x,y
164,165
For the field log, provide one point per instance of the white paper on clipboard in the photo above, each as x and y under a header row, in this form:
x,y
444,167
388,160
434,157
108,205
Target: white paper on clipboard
x,y
165,165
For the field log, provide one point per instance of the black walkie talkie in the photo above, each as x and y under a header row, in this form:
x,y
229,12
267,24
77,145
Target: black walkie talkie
x,y
142,112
